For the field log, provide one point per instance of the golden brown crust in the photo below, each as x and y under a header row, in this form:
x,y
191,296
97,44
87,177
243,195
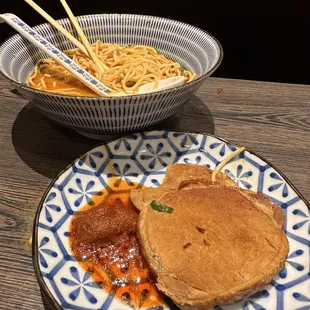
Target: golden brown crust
x,y
175,177
263,203
262,245
239,231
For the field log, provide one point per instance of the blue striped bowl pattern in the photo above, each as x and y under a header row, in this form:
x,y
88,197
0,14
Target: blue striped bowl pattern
x,y
193,47
143,158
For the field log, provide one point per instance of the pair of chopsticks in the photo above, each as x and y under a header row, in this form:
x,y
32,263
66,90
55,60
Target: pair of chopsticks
x,y
85,47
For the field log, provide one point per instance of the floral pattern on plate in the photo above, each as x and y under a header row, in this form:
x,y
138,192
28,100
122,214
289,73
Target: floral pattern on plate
x,y
143,158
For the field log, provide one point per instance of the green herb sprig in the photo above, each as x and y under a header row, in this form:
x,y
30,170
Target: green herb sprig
x,y
160,207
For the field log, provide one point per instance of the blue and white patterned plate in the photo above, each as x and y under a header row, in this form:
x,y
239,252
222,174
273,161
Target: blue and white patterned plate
x,y
143,158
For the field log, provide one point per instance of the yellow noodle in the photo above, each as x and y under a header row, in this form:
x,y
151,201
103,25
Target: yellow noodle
x,y
34,74
129,67
97,47
43,82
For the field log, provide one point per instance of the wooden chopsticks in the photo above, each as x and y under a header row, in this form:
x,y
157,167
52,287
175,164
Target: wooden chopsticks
x,y
85,47
83,38
54,23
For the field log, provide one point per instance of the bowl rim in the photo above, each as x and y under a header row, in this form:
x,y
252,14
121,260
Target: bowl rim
x,y
139,96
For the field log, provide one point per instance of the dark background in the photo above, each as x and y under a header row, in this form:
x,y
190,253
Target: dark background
x,y
262,41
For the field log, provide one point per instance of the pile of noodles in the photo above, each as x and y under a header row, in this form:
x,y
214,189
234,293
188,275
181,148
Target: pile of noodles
x,y
128,68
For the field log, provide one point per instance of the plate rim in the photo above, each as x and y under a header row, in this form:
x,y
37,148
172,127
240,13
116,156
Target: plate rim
x,y
46,292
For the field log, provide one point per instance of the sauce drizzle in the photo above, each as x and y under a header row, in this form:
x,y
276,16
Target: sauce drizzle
x,y
117,264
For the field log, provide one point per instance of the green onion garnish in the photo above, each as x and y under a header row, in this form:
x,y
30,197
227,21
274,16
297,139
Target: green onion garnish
x,y
161,208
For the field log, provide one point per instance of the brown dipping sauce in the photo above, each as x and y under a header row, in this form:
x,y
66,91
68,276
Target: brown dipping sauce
x,y
103,239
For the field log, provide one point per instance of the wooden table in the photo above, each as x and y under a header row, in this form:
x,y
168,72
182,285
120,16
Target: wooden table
x,y
268,118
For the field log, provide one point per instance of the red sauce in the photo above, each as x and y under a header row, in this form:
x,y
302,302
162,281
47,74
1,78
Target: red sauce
x,y
115,261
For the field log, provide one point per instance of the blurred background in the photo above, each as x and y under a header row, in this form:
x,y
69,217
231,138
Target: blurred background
x,y
262,40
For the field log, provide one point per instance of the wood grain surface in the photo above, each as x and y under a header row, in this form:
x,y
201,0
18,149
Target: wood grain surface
x,y
269,118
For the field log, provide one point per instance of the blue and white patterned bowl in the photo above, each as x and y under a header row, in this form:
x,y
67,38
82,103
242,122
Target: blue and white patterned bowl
x,y
143,158
194,48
